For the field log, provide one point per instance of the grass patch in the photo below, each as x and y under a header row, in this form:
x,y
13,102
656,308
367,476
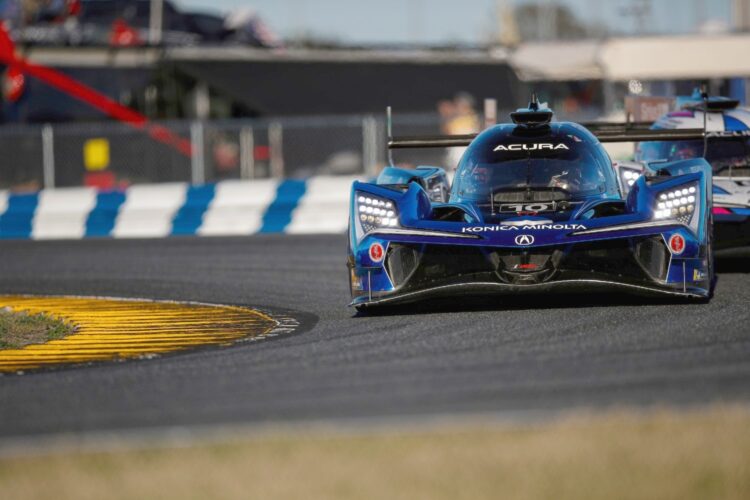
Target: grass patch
x,y
19,329
618,455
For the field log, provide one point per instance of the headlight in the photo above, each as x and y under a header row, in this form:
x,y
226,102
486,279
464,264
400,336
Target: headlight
x,y
677,203
374,212
629,176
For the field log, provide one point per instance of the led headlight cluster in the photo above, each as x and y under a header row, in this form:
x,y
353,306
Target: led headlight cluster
x,y
679,203
374,212
629,176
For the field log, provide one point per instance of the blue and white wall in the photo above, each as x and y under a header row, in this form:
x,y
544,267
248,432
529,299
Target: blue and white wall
x,y
317,205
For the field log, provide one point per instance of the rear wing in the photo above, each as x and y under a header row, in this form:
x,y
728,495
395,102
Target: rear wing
x,y
605,132
630,131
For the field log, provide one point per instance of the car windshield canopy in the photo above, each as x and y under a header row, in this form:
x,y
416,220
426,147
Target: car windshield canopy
x,y
726,155
565,164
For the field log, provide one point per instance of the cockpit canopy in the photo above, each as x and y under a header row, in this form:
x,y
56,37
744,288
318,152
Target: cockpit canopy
x,y
562,161
727,155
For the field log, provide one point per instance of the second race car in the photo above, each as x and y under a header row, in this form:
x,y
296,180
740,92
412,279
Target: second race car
x,y
727,149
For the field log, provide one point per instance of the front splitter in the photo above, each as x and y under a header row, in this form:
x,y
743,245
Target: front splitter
x,y
502,289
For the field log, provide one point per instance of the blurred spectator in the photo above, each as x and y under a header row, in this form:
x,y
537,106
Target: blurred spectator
x,y
226,157
123,35
246,26
459,117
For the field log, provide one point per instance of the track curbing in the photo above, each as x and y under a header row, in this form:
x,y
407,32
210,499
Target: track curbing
x,y
116,329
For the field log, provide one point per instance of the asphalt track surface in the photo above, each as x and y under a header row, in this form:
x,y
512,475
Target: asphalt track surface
x,y
535,355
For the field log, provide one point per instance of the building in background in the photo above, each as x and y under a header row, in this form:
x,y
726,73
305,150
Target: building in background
x,y
214,82
741,15
214,67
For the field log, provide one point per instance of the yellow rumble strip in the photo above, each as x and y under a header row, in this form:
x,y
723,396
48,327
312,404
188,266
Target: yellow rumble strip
x,y
114,329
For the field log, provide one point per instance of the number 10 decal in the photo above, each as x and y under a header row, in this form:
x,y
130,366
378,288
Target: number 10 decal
x,y
519,207
553,206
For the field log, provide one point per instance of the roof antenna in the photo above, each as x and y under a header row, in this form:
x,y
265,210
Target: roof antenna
x,y
704,97
389,128
532,116
534,103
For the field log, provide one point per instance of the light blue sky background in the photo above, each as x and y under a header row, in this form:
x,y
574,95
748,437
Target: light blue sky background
x,y
467,21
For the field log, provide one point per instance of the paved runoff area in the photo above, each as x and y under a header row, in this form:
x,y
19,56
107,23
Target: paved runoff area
x,y
515,358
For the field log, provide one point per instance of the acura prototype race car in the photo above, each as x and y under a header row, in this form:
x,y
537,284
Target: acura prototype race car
x,y
726,148
535,206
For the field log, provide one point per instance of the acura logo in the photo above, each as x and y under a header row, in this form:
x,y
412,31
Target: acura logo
x,y
524,239
529,147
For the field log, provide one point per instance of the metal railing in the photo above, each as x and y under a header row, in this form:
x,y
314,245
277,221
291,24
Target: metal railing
x,y
55,155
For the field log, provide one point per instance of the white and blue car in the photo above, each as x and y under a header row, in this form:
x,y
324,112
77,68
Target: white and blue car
x,y
727,149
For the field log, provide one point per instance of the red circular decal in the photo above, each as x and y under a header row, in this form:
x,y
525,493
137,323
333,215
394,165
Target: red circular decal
x,y
376,252
677,244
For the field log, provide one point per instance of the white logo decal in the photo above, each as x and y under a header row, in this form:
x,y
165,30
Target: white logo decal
x,y
525,222
527,227
524,239
729,133
530,147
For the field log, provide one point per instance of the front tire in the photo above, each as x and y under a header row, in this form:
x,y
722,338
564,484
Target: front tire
x,y
710,256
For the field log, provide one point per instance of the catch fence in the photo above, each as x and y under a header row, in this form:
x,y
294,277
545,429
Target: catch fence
x,y
108,154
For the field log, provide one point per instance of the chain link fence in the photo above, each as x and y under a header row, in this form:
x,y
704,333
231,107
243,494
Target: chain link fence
x,y
114,155
133,156
22,157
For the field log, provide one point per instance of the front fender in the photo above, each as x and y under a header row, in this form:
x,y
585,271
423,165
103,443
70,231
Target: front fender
x,y
413,205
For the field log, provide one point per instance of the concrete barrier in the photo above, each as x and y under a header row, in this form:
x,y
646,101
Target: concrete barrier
x,y
316,205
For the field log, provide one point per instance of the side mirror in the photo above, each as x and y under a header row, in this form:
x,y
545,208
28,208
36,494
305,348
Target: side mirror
x,y
433,180
437,186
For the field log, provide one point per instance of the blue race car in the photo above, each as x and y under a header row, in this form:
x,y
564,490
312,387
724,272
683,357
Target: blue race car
x,y
535,206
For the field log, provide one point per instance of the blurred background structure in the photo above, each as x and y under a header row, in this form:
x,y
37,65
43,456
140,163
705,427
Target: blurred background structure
x,y
294,88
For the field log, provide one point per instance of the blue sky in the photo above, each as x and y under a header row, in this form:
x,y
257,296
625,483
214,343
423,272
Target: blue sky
x,y
436,21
